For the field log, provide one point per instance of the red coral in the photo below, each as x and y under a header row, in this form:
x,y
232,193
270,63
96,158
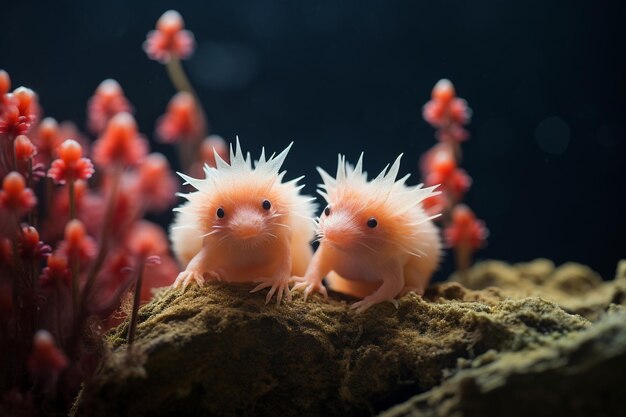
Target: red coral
x,y
182,121
126,207
465,229
24,148
47,138
440,167
5,82
71,165
211,144
6,251
20,111
56,271
14,195
155,184
11,122
46,358
452,133
447,113
120,143
107,101
31,247
77,244
61,202
163,276
434,205
169,40
146,239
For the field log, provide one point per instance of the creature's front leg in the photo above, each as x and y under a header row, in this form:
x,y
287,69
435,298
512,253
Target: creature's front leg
x,y
393,283
195,270
320,266
279,282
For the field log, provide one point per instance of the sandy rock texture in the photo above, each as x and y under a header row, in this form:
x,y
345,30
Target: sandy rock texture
x,y
581,374
220,351
574,287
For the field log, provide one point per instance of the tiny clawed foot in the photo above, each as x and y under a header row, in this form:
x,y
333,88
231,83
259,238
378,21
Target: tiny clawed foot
x,y
215,276
309,287
363,305
279,286
186,278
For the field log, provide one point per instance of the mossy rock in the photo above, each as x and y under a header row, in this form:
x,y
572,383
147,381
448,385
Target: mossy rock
x,y
220,350
574,287
581,374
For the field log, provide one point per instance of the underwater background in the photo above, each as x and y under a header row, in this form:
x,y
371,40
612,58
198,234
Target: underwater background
x,y
546,81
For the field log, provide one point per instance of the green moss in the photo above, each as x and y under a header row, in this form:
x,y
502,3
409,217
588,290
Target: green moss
x,y
220,351
574,287
580,374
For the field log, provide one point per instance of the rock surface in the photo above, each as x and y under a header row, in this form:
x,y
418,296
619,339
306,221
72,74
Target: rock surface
x,y
582,374
220,351
574,287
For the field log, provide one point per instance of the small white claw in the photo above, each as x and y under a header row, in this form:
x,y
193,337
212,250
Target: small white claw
x,y
186,278
367,302
262,285
309,287
277,284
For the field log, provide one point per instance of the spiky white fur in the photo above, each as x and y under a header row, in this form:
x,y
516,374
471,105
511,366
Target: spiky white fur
x,y
193,220
387,190
398,254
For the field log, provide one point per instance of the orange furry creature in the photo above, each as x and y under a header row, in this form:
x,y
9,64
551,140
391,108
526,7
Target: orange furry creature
x,y
376,240
243,224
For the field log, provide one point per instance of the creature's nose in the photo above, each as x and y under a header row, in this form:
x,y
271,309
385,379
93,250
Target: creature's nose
x,y
339,229
247,231
247,224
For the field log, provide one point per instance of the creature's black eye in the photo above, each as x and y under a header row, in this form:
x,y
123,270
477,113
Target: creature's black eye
x,y
267,205
372,222
327,210
220,212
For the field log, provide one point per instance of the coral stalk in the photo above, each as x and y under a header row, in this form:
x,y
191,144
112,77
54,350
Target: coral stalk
x,y
96,266
449,114
178,77
72,197
136,301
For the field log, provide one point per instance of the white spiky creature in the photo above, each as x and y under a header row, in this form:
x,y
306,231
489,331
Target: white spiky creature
x,y
376,240
243,224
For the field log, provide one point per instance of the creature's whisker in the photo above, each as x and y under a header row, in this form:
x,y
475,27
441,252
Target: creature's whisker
x,y
222,240
184,226
210,233
364,245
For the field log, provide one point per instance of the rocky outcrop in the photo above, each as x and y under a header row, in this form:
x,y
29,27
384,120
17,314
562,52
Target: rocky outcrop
x,y
220,351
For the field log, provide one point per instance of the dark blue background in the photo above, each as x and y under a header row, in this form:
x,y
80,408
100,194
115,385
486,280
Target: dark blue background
x,y
346,76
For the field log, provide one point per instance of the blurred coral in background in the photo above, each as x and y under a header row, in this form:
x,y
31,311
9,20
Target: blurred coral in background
x,y
450,114
73,239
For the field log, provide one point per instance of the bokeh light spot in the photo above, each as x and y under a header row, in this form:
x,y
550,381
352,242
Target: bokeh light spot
x,y
224,65
609,135
553,135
